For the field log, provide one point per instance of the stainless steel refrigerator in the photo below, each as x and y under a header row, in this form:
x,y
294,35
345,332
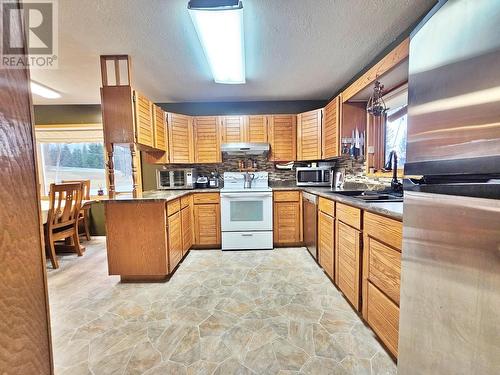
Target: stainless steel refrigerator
x,y
450,283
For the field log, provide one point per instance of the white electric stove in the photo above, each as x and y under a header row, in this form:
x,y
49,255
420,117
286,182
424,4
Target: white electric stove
x,y
246,213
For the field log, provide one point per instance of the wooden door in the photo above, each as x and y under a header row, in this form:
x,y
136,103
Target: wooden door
x,y
257,128
331,126
207,139
309,135
326,243
180,135
348,262
143,120
282,131
207,225
25,346
174,240
233,129
160,129
187,228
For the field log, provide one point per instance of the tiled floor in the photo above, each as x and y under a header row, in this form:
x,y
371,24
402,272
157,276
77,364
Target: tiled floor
x,y
266,312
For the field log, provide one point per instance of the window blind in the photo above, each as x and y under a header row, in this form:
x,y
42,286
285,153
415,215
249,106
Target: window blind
x,y
73,133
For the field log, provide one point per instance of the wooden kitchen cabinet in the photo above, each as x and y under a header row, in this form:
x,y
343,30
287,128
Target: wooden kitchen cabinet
x,y
144,120
160,131
206,212
282,136
287,220
330,141
180,135
348,253
309,125
187,223
206,131
256,128
381,277
174,240
233,129
326,236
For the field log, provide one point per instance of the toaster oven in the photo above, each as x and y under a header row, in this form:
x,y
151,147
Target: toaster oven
x,y
180,178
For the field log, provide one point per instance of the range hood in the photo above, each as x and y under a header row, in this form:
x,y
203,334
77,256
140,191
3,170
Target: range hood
x,y
254,148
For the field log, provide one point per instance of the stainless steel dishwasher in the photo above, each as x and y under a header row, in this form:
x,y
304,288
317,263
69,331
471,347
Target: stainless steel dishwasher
x,y
310,222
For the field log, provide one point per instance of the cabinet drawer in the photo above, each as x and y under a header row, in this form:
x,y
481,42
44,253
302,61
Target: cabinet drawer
x,y
206,198
327,206
387,230
186,200
383,267
349,215
383,317
173,206
287,196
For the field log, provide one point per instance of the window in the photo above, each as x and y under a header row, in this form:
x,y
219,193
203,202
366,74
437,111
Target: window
x,y
395,124
71,152
395,134
73,161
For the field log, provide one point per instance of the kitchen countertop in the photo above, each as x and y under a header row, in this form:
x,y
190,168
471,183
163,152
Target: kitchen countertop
x,y
159,195
393,210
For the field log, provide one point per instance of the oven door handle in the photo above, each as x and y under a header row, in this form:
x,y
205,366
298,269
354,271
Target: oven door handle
x,y
246,196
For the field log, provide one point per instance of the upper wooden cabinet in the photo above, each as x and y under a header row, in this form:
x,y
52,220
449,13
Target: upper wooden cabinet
x,y
330,133
233,129
143,120
309,126
206,139
282,135
160,129
256,129
180,135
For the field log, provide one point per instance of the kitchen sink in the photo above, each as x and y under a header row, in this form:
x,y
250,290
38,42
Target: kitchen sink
x,y
370,196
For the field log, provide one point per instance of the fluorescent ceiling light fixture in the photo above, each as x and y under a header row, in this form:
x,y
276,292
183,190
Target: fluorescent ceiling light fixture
x,y
219,25
44,91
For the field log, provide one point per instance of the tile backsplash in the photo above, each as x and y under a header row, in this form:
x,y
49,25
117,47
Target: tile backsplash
x,y
354,171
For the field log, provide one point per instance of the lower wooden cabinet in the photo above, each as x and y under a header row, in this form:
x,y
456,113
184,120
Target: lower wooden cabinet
x,y
207,231
348,262
174,240
326,243
187,228
287,218
382,243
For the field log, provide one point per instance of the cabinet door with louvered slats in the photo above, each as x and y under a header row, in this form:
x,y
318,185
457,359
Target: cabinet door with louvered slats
x,y
160,129
233,129
207,140
283,137
257,128
143,120
309,135
180,135
329,139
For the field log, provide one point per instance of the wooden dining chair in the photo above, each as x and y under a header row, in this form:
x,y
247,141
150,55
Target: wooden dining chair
x,y
84,216
62,218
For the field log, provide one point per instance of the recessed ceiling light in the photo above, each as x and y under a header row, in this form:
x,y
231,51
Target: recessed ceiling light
x,y
219,25
44,91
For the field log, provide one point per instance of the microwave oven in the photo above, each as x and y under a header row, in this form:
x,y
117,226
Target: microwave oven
x,y
180,178
314,176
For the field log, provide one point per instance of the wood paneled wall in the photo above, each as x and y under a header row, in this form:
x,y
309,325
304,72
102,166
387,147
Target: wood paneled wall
x,y
24,318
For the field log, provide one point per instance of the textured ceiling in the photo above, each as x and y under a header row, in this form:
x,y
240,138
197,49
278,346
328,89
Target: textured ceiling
x,y
295,49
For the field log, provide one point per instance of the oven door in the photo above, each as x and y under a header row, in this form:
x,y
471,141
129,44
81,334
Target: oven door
x,y
244,212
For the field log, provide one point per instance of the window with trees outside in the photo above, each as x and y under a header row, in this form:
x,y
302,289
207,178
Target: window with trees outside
x,y
395,124
76,152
